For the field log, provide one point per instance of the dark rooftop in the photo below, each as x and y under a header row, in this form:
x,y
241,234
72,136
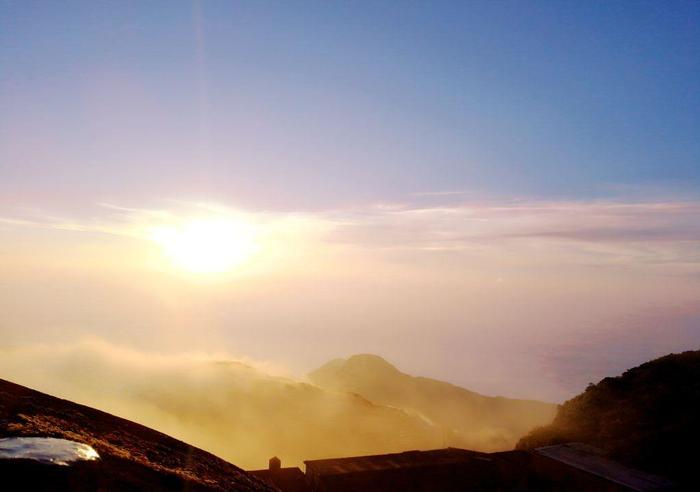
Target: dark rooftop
x,y
395,460
286,479
591,460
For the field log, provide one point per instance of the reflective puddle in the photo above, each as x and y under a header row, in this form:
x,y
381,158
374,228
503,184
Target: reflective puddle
x,y
46,450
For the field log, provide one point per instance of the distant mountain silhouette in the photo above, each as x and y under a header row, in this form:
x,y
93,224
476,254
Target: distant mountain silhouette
x,y
649,417
234,410
245,414
465,418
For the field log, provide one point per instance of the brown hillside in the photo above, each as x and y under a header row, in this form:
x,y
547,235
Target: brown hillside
x,y
133,457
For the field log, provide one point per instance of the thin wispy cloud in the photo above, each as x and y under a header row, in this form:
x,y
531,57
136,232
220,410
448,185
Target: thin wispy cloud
x,y
441,193
628,232
594,231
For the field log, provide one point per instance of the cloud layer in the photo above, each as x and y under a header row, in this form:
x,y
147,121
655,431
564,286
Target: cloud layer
x,y
661,232
476,293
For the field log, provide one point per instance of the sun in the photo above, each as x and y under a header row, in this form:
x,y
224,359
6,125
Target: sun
x,y
207,245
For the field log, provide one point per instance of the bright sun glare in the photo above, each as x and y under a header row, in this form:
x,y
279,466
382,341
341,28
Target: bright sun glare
x,y
207,245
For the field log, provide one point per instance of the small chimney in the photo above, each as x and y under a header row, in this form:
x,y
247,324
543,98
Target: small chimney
x,y
275,463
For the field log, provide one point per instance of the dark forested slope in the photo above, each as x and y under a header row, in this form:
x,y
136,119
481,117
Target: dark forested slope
x,y
649,417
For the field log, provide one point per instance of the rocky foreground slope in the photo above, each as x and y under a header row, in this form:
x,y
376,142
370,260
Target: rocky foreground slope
x,y
132,457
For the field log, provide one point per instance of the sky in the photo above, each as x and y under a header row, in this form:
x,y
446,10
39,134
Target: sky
x,y
503,195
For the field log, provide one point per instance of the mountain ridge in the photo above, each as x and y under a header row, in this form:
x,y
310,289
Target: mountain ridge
x,y
467,418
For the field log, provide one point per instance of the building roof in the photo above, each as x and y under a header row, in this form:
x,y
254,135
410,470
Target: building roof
x,y
590,459
290,479
407,459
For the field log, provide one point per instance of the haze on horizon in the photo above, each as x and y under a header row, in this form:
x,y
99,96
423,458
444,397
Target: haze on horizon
x,y
505,196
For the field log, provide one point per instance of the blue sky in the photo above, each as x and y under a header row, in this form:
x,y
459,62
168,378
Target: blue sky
x,y
317,104
504,195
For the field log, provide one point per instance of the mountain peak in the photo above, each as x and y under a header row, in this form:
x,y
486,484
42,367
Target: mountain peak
x,y
369,361
360,366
